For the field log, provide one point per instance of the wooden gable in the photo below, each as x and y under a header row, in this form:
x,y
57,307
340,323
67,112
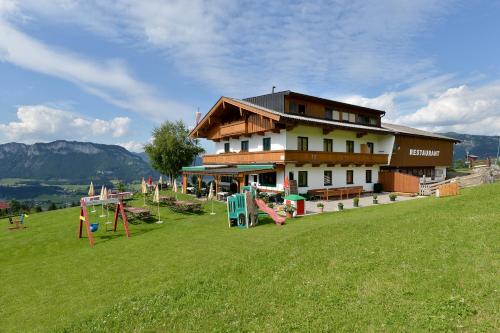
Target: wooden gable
x,y
231,118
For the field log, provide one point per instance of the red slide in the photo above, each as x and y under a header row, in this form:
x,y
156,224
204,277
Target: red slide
x,y
269,211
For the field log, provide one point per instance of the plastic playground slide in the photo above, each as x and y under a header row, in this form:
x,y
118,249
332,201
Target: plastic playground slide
x,y
269,211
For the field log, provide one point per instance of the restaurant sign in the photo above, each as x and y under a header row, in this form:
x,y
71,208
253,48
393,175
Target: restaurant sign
x,y
423,152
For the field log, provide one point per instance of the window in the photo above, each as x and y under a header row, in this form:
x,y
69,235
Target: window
x,y
349,177
297,108
290,175
352,117
370,147
302,143
266,144
365,120
368,176
302,179
373,121
328,114
328,145
345,116
226,147
336,115
267,179
244,145
349,146
327,178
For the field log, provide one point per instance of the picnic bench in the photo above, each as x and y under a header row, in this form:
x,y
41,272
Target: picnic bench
x,y
137,212
168,199
187,206
326,193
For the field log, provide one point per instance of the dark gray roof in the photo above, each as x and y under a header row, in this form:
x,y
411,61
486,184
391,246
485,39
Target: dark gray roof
x,y
414,131
316,120
276,101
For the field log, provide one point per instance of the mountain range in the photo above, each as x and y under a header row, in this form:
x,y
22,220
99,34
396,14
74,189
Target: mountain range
x,y
71,160
481,145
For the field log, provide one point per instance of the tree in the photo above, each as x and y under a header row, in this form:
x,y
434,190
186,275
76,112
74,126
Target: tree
x,y
172,148
52,206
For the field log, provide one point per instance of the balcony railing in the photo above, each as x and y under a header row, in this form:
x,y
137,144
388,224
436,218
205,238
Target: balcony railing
x,y
296,156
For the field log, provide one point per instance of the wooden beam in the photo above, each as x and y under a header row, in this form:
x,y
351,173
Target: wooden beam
x,y
361,134
275,130
327,130
315,165
223,104
260,133
241,112
330,165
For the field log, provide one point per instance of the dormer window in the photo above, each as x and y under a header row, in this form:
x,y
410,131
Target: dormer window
x,y
297,108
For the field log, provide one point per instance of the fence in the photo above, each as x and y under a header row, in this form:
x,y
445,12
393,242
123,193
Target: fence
x,y
398,182
446,190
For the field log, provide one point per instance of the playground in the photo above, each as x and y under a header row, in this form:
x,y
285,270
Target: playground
x,y
419,265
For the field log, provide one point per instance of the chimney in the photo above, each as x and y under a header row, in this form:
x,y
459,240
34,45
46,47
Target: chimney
x,y
198,116
274,87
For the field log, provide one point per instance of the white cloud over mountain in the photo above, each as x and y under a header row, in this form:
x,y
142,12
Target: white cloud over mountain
x,y
39,123
435,106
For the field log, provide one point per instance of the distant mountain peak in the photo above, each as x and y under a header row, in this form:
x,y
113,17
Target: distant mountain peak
x,y
63,159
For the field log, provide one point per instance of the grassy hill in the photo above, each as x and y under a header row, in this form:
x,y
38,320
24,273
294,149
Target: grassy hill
x,y
421,265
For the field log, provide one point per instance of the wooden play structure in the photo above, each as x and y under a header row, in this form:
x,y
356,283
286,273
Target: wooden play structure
x,y
115,199
18,224
243,209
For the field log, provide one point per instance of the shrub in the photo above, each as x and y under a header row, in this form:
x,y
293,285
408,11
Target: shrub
x,y
355,200
393,196
375,197
289,208
320,205
270,205
340,205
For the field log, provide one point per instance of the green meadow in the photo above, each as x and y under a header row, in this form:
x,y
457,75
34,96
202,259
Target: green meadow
x,y
421,265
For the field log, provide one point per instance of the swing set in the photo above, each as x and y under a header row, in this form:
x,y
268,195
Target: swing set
x,y
116,199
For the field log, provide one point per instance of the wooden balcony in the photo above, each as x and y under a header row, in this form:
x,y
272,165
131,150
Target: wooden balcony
x,y
297,157
234,128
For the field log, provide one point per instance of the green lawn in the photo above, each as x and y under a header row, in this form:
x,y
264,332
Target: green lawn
x,y
421,265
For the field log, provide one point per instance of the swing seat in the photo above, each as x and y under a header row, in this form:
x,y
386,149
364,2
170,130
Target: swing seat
x,y
94,227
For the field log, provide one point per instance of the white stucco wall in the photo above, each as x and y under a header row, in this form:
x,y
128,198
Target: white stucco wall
x,y
315,176
278,141
382,143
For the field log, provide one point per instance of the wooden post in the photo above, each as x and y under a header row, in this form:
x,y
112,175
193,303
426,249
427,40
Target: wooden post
x,y
184,183
217,181
200,180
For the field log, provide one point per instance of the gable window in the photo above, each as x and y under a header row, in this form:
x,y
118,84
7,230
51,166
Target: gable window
x,y
266,144
294,107
370,147
302,143
244,145
349,179
373,121
327,178
226,147
352,117
345,116
368,176
336,115
302,109
302,179
363,119
328,145
328,114
349,146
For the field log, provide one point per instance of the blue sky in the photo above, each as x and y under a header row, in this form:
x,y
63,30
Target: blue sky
x,y
110,71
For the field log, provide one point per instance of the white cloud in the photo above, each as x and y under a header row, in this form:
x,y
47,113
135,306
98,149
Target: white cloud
x,y
461,109
38,123
250,46
440,105
136,147
110,80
